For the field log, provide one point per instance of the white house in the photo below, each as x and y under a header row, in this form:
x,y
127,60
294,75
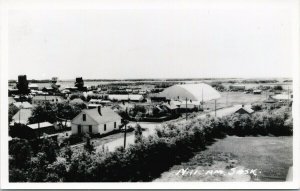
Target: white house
x,y
96,121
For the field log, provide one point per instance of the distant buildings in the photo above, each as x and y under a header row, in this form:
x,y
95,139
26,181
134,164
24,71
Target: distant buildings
x,y
43,99
24,105
96,121
129,97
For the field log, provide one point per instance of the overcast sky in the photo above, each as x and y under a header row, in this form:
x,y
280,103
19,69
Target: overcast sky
x,y
202,39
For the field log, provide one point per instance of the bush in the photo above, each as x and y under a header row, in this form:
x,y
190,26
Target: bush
x,y
149,157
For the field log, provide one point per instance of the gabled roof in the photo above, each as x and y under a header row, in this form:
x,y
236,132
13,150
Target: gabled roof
x,y
194,92
107,115
22,116
246,108
11,100
24,105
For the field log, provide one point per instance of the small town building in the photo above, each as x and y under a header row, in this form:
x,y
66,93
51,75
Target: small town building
x,y
96,121
33,86
24,105
22,116
42,128
43,99
244,109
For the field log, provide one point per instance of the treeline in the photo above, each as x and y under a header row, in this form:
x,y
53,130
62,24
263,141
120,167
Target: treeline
x,y
147,158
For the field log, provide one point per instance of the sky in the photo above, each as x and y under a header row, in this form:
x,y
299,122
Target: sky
x,y
191,39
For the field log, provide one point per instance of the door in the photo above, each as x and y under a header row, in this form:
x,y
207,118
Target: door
x,y
79,129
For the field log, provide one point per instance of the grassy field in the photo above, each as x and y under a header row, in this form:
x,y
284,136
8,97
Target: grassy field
x,y
235,98
270,156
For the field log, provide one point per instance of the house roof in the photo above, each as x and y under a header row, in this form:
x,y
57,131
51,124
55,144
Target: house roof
x,y
11,100
246,108
22,116
77,100
194,92
107,115
42,125
171,106
33,86
270,100
25,105
47,98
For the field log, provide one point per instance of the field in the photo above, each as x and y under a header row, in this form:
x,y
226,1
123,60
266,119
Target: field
x,y
269,157
235,98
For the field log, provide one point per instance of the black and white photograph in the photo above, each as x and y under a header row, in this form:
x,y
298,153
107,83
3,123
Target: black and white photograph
x,y
150,94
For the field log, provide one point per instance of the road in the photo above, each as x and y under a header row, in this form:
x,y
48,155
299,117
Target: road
x,y
150,129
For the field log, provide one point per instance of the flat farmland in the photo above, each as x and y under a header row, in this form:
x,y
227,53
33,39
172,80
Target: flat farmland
x,y
235,98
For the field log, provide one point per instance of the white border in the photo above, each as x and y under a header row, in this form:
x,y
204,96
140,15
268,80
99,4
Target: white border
x,y
135,4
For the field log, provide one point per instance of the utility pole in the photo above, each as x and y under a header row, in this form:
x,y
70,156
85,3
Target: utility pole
x,y
125,122
202,101
288,95
186,108
215,108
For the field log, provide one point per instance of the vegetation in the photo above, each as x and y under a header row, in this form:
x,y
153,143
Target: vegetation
x,y
12,110
148,157
50,112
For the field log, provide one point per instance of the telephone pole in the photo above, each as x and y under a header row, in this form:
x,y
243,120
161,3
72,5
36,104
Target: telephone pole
x,y
215,108
186,108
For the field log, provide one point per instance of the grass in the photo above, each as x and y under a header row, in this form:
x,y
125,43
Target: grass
x,y
271,156
235,98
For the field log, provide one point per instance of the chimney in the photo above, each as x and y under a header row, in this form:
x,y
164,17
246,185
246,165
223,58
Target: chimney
x,y
99,110
243,105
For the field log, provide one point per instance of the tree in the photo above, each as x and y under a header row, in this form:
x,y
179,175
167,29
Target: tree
x,y
20,153
42,113
12,110
49,147
278,87
138,134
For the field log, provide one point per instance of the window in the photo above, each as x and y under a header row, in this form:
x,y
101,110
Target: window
x,y
84,117
90,129
104,127
79,129
115,124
